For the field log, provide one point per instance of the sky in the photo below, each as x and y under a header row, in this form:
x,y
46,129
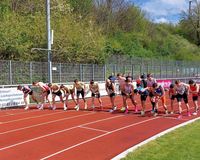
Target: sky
x,y
163,11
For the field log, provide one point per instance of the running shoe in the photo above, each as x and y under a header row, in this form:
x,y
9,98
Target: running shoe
x,y
123,109
114,108
155,114
136,109
126,111
77,107
41,107
188,114
53,107
171,112
142,113
194,113
180,116
65,108
166,112
26,108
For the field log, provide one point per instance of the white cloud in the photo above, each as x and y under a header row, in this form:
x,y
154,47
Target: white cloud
x,y
158,9
161,20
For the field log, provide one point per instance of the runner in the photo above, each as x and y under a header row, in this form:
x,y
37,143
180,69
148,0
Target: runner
x,y
80,89
27,91
55,89
94,88
142,89
194,89
68,91
45,91
150,82
182,93
128,92
172,96
110,89
158,94
121,82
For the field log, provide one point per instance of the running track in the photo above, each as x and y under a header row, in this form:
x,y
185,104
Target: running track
x,y
77,135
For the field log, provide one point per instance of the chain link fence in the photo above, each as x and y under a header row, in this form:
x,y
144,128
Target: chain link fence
x,y
15,72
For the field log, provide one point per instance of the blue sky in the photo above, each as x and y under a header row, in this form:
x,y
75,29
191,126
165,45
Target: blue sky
x,y
159,11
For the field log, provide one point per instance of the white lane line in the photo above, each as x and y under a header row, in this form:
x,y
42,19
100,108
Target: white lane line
x,y
43,115
40,124
97,137
61,131
13,114
123,154
94,129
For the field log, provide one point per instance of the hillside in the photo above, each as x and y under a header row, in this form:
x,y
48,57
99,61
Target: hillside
x,y
87,31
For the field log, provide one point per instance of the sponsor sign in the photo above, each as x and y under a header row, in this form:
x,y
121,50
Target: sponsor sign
x,y
164,83
11,97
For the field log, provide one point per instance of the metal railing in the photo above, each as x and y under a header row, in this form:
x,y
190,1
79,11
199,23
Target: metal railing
x,y
15,72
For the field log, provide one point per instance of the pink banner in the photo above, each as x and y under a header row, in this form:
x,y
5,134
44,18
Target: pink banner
x,y
164,83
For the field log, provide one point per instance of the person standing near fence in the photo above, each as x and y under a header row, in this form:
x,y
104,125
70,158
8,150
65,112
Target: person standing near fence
x,y
45,91
27,91
182,90
68,91
80,89
56,91
94,88
194,89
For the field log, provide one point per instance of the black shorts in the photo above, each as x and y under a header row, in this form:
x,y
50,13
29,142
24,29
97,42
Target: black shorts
x,y
151,94
183,96
97,95
173,97
48,92
112,95
58,93
143,97
80,92
195,98
30,93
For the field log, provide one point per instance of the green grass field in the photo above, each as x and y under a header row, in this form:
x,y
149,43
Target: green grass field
x,y
181,144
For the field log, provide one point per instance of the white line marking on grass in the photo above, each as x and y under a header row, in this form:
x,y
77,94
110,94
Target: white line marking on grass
x,y
61,131
124,154
40,124
94,129
89,140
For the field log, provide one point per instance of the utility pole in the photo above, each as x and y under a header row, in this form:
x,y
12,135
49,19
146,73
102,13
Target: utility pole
x,y
190,5
48,24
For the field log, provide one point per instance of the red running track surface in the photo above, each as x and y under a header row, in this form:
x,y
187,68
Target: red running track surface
x,y
78,135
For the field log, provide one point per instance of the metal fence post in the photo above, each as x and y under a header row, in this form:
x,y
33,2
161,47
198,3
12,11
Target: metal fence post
x,y
104,72
93,71
10,71
81,72
31,73
60,72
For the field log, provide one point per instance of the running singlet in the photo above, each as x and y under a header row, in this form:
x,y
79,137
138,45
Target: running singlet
x,y
110,87
150,83
128,88
26,90
180,89
159,91
194,88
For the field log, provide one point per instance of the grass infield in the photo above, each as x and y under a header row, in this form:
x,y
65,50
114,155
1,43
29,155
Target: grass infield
x,y
181,144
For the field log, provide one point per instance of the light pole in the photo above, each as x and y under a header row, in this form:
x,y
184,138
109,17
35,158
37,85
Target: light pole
x,y
190,4
48,24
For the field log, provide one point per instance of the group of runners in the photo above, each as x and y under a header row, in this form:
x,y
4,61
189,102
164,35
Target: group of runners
x,y
146,86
